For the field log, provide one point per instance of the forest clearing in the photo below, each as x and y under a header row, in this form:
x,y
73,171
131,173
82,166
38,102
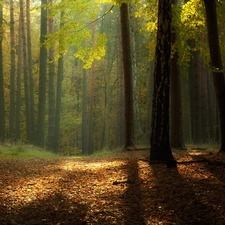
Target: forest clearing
x,y
121,188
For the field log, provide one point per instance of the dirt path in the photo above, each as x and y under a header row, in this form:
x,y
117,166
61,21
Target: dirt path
x,y
116,189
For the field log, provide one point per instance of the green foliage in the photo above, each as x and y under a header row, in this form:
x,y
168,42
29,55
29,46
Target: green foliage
x,y
96,52
76,31
24,151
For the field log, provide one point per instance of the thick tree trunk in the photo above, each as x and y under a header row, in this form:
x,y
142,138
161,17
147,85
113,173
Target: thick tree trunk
x,y
127,65
216,63
160,143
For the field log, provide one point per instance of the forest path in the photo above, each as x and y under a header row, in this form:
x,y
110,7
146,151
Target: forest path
x,y
118,189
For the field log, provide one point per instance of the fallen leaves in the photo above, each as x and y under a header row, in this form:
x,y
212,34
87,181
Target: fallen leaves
x,y
81,191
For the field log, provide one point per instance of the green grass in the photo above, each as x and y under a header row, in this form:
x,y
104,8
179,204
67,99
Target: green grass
x,y
24,151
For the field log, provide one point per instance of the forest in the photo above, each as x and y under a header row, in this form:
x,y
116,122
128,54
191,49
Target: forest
x,y
65,74
112,112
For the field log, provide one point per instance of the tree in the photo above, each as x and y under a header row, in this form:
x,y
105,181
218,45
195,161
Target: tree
x,y
2,98
30,74
127,66
58,94
216,64
160,143
12,74
25,73
51,89
40,130
18,81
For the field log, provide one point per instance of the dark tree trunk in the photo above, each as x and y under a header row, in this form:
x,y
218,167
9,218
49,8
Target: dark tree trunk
x,y
12,75
160,143
127,65
40,131
216,63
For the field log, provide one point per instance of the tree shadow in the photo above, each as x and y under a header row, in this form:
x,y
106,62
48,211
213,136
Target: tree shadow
x,y
55,209
182,199
132,198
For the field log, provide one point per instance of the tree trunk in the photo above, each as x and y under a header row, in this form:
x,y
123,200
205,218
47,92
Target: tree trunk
x,y
40,132
25,73
18,82
2,98
84,116
58,95
160,143
127,65
216,63
51,89
12,75
30,74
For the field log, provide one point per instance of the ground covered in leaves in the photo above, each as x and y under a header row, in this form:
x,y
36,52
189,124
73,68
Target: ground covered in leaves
x,y
118,189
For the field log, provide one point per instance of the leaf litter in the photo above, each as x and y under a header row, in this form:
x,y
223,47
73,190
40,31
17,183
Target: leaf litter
x,y
118,189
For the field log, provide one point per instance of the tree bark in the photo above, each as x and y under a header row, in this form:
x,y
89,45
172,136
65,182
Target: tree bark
x,y
12,75
40,131
127,65
30,74
18,82
160,143
51,89
25,73
58,95
216,63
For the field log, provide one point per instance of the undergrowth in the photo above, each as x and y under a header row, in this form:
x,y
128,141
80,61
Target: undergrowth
x,y
24,151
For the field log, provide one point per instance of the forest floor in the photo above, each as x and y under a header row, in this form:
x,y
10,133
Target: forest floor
x,y
118,189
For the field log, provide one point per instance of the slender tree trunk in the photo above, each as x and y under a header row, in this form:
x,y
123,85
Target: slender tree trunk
x,y
216,63
2,98
18,82
30,75
12,75
59,94
84,116
25,72
139,135
127,66
51,89
176,105
40,131
92,85
160,141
